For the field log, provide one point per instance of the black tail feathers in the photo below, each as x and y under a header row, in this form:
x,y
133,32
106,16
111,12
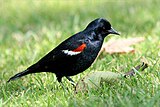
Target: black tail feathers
x,y
23,73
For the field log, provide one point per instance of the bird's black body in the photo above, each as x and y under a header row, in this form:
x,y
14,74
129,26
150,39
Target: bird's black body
x,y
75,54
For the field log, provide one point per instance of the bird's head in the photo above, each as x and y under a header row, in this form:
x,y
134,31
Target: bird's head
x,y
101,26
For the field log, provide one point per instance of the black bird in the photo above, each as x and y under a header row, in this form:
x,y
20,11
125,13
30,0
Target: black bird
x,y
75,54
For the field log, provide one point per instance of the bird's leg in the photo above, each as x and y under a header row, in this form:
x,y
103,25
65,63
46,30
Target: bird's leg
x,y
64,88
60,81
72,82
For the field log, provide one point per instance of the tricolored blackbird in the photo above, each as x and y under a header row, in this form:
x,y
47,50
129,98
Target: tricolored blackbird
x,y
75,54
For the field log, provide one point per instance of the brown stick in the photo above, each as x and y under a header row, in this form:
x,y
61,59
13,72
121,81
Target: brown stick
x,y
139,67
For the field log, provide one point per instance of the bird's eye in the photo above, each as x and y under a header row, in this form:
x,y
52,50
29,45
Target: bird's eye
x,y
103,28
100,29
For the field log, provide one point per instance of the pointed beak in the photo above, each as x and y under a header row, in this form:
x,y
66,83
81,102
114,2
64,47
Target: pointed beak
x,y
112,31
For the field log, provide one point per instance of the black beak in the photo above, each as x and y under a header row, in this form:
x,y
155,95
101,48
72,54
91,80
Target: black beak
x,y
112,31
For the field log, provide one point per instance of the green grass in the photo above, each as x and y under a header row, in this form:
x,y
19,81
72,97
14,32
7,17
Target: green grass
x,y
29,29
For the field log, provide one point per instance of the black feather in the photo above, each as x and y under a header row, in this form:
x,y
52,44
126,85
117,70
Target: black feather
x,y
23,73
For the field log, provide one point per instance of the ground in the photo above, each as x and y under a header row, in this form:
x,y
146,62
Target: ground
x,y
30,29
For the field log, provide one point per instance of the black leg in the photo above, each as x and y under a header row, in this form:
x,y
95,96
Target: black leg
x,y
72,82
64,88
59,78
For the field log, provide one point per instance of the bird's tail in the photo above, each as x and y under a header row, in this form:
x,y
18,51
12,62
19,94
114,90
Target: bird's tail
x,y
23,73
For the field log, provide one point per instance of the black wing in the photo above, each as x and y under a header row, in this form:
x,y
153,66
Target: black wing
x,y
58,53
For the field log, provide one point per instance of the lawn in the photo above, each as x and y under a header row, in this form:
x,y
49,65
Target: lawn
x,y
31,28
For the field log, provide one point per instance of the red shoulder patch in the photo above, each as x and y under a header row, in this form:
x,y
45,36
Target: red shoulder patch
x,y
80,48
